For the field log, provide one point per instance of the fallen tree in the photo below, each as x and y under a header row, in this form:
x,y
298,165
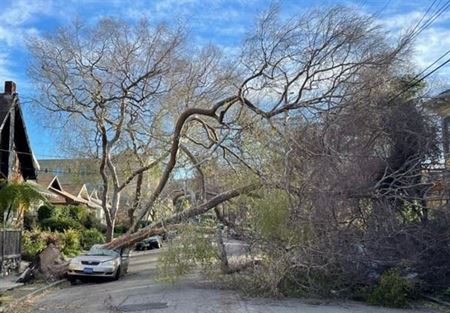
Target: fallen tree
x,y
298,114
159,227
307,65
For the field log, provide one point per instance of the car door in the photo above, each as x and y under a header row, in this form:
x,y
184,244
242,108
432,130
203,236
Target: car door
x,y
124,260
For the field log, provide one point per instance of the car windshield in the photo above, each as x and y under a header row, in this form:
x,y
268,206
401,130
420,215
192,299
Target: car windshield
x,y
95,250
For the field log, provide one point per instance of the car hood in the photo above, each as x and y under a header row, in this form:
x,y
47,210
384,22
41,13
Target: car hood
x,y
95,258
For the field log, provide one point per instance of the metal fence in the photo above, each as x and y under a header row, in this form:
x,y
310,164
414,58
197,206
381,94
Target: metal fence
x,y
10,249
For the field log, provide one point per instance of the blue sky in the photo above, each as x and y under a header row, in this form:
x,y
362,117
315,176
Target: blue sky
x,y
221,22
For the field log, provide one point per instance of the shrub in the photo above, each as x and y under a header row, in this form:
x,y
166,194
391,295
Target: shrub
x,y
143,224
33,242
185,252
121,229
60,224
392,290
92,222
70,242
78,213
89,237
45,212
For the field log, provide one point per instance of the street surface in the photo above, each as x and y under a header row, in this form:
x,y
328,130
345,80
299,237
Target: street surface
x,y
138,292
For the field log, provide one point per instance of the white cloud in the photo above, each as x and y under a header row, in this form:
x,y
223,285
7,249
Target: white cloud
x,y
430,44
15,27
4,59
402,21
20,12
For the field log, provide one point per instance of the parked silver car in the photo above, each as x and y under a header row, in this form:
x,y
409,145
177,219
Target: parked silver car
x,y
99,262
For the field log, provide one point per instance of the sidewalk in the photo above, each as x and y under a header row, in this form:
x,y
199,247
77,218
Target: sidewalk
x,y
9,282
13,293
23,294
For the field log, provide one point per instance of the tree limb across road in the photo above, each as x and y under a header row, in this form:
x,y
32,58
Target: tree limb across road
x,y
159,226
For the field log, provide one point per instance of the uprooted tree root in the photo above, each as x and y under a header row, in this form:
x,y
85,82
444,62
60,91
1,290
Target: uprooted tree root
x,y
49,264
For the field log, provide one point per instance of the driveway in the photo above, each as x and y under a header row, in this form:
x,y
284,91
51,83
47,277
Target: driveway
x,y
138,292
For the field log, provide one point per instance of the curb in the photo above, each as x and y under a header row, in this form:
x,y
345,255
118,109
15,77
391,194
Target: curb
x,y
11,287
31,294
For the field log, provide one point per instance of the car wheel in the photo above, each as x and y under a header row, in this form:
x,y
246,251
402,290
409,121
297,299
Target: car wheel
x,y
72,280
117,275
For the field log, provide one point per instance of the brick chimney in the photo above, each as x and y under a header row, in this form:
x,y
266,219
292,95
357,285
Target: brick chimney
x,y
10,87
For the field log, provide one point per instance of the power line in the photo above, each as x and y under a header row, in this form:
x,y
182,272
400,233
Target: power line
x,y
415,32
53,157
423,17
413,83
59,171
416,79
433,18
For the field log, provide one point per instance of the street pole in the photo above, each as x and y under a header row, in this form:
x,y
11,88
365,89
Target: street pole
x,y
3,244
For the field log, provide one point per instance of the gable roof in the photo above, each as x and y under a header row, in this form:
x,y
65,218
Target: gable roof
x,y
11,112
6,103
49,181
62,192
74,189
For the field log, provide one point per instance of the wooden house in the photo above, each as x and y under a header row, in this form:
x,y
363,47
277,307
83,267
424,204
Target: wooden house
x,y
17,162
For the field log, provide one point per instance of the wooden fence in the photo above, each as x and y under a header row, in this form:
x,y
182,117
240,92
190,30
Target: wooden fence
x,y
10,249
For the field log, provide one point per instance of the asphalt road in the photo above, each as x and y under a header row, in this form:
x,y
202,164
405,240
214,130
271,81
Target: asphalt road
x,y
138,292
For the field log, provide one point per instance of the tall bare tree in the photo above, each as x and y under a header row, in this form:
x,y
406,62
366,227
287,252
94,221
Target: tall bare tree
x,y
110,77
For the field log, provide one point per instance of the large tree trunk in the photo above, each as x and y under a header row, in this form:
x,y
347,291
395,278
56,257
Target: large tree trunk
x,y
137,199
157,228
110,225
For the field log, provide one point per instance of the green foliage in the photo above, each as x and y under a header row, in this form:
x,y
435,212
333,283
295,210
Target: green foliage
x,y
60,224
89,237
78,213
64,218
18,195
392,290
270,215
92,222
189,249
44,212
121,229
75,227
143,224
62,212
33,242
80,217
70,242
408,85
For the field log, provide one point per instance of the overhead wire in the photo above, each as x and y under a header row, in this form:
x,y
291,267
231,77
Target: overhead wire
x,y
415,32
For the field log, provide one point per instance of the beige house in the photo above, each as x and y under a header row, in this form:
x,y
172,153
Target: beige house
x,y
71,194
